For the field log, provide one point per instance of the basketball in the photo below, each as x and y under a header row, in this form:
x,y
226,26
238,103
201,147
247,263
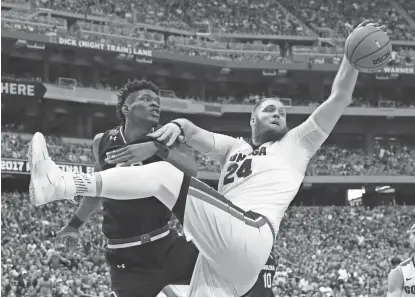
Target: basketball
x,y
368,49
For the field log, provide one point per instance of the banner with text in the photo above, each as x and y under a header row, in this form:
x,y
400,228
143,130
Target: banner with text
x,y
107,46
14,88
21,166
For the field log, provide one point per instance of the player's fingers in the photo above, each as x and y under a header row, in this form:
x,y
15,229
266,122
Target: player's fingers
x,y
155,134
119,158
117,151
172,139
180,138
373,24
364,23
383,27
164,136
117,155
349,27
158,132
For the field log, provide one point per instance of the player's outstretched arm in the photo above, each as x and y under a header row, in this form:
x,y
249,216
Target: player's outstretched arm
x,y
70,233
313,132
395,283
327,115
206,142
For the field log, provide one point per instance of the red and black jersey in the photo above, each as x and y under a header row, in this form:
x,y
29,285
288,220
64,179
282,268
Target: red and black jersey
x,y
124,219
263,286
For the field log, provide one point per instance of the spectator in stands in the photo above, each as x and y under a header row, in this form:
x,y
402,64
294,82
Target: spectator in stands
x,y
313,249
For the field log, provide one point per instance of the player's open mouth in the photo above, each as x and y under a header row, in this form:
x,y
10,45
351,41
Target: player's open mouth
x,y
155,112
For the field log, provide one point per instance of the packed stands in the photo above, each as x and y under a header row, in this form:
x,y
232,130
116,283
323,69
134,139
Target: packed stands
x,y
311,248
126,25
330,16
33,265
314,244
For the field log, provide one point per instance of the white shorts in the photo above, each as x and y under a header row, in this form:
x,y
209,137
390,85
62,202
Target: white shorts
x,y
234,244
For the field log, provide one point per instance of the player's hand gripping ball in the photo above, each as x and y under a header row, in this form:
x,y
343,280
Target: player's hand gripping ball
x,y
368,47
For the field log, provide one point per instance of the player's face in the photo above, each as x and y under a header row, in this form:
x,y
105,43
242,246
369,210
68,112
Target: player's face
x,y
143,105
269,120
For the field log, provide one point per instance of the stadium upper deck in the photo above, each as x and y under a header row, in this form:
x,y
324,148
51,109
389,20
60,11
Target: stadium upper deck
x,y
211,71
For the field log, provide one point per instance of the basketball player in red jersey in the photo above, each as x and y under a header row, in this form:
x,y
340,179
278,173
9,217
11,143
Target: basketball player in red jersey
x,y
143,255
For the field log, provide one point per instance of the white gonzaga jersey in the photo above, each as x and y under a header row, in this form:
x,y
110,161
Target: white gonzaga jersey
x,y
408,273
266,179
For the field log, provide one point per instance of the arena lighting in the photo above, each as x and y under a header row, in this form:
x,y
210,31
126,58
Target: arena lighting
x,y
60,111
269,73
20,43
353,194
99,115
225,71
385,189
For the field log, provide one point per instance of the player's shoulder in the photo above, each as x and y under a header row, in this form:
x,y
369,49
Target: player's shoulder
x,y
115,131
241,142
97,139
406,262
395,274
238,144
107,139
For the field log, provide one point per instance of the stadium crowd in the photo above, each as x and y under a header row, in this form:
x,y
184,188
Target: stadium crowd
x,y
314,244
249,18
313,250
393,160
328,17
262,17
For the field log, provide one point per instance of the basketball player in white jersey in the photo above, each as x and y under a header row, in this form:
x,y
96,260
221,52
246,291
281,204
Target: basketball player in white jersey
x,y
401,280
234,229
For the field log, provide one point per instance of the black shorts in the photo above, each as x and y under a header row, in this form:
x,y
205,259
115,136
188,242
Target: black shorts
x,y
146,269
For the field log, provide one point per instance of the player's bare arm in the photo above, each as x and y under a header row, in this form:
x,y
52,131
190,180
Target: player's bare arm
x,y
178,155
327,115
395,283
313,132
70,233
206,142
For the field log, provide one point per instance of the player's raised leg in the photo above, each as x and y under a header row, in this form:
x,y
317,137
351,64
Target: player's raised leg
x,y
235,243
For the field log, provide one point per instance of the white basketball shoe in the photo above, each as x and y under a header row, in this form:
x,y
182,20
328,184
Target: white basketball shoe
x,y
47,179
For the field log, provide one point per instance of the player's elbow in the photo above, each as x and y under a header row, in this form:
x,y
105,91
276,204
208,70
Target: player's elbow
x,y
341,96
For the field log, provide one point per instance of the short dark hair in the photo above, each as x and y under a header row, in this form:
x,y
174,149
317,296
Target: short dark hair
x,y
395,261
260,101
128,89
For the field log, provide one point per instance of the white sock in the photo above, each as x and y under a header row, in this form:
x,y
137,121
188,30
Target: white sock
x,y
73,184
